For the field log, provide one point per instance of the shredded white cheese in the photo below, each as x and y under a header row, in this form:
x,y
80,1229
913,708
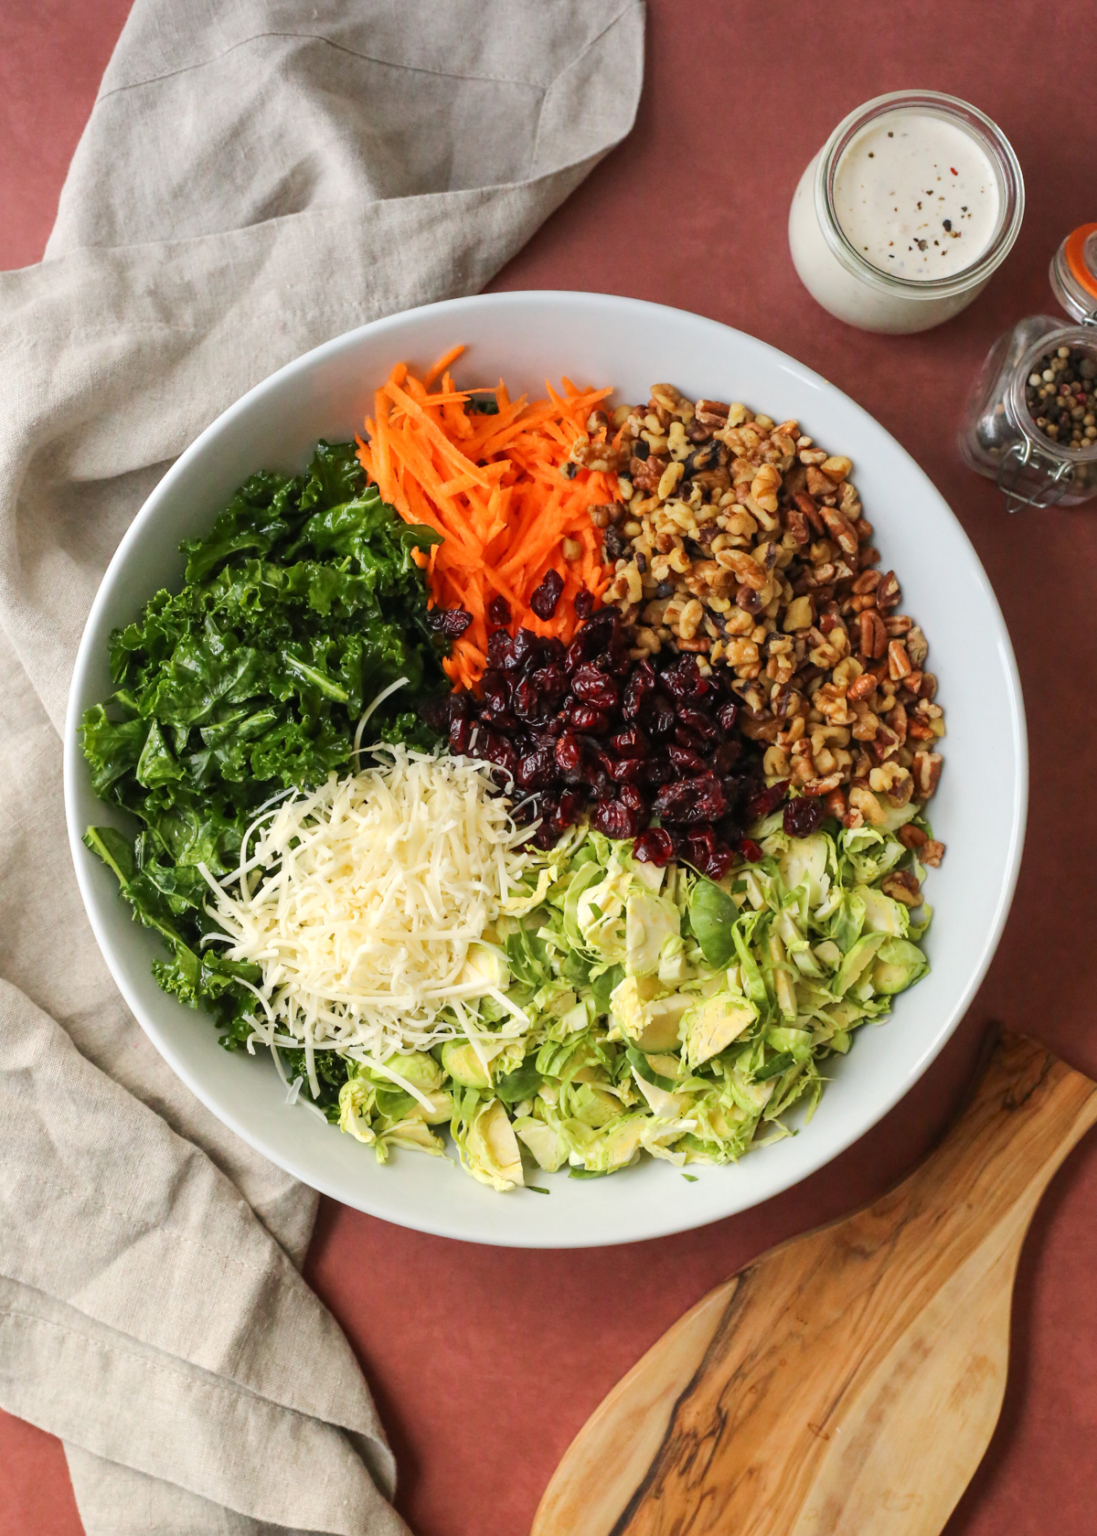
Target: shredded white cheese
x,y
360,903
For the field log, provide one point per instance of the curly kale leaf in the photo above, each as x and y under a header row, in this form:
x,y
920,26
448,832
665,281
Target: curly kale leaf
x,y
298,607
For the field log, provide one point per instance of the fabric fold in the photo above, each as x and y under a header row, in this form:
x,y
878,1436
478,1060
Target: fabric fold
x,y
253,180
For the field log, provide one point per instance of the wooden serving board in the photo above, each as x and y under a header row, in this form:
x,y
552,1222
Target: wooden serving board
x,y
849,1381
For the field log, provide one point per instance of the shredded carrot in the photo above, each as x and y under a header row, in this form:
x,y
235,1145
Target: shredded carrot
x,y
493,485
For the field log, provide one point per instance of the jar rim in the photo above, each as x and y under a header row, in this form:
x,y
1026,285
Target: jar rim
x,y
1018,405
998,149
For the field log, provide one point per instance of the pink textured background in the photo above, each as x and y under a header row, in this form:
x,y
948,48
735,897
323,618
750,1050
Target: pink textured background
x,y
485,1362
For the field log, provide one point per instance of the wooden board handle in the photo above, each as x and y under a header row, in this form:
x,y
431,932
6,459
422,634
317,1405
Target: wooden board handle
x,y
849,1380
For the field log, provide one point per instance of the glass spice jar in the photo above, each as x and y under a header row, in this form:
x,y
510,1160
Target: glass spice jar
x,y
1030,423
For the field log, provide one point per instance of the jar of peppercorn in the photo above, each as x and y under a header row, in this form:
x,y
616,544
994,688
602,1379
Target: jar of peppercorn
x,y
1031,419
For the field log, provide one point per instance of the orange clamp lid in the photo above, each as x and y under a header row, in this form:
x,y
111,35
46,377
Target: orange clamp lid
x,y
1075,252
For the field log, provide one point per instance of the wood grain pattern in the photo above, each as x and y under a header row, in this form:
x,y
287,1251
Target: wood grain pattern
x,y
848,1381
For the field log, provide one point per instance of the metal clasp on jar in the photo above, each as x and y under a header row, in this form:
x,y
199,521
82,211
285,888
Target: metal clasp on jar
x,y
1021,456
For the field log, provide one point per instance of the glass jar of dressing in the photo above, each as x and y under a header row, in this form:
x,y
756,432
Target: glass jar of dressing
x,y
906,211
1031,418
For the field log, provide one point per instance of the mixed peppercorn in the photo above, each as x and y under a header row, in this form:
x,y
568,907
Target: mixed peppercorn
x,y
1061,395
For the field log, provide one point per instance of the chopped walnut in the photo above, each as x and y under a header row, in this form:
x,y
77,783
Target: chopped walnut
x,y
744,543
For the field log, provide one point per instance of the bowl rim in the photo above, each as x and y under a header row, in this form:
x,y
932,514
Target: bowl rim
x,y
466,308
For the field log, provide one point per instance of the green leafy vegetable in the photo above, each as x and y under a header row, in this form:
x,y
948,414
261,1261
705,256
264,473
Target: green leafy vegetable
x,y
299,606
671,1015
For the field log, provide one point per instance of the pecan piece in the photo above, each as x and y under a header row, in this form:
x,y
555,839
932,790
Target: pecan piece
x,y
712,414
887,593
902,886
818,788
796,525
873,634
898,661
836,804
840,529
927,771
917,646
897,719
806,505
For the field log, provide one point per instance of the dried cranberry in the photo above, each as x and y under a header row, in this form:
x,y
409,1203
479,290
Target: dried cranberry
x,y
592,638
567,810
617,660
640,684
460,734
654,847
630,743
658,770
496,749
766,800
719,862
685,681
494,690
551,651
748,849
527,700
803,816
686,760
623,770
550,681
522,648
595,778
727,715
546,835
584,717
726,756
592,686
499,610
614,819
435,712
500,720
691,800
499,648
684,737
545,597
452,622
659,716
708,853
584,604
697,720
538,769
635,799
569,756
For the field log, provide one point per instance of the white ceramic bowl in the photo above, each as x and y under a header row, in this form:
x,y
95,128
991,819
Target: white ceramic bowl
x,y
979,810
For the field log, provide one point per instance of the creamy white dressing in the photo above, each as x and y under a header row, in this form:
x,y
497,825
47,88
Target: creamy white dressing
x,y
916,195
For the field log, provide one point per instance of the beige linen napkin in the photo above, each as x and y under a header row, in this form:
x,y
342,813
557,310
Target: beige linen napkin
x,y
255,178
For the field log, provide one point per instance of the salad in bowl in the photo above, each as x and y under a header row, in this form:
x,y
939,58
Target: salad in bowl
x,y
549,775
